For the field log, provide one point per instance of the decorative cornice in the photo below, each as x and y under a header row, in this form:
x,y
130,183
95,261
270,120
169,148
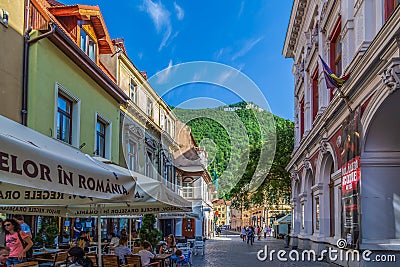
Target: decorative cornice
x,y
296,20
357,5
303,197
307,164
150,142
323,146
391,75
316,187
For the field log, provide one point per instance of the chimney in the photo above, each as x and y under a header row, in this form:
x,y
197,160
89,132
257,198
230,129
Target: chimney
x,y
144,74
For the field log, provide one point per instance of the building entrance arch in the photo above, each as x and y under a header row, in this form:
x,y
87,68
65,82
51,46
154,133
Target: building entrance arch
x,y
380,168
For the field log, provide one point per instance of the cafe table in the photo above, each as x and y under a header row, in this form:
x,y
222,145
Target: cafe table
x,y
45,252
162,258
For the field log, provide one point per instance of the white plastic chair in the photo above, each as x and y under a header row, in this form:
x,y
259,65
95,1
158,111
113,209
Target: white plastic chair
x,y
199,246
92,249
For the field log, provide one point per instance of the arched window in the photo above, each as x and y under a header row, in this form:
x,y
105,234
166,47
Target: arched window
x,y
187,187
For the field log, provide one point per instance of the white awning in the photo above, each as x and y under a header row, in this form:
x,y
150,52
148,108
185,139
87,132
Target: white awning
x,y
150,196
31,160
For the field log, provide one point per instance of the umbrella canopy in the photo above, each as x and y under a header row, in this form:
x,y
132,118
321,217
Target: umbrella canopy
x,y
150,196
30,160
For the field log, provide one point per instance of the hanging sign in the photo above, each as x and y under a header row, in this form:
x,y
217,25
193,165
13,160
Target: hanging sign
x,y
351,178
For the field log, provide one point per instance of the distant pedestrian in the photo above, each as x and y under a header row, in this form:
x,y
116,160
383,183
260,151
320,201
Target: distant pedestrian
x,y
250,235
243,234
265,231
258,231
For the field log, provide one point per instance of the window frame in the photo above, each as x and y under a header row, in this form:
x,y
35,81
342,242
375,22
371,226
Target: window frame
x,y
88,40
149,109
188,187
390,6
108,135
315,93
335,58
149,163
76,110
68,115
133,89
132,157
101,135
302,120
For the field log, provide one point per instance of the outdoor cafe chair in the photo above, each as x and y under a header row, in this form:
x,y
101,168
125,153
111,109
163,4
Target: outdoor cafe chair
x,y
110,260
199,246
93,258
92,249
135,261
56,260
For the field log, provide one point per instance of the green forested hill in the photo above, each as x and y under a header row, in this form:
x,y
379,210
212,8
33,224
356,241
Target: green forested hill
x,y
246,146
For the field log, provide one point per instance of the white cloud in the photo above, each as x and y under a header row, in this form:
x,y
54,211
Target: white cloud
x,y
219,53
223,77
241,9
161,19
246,48
164,74
179,11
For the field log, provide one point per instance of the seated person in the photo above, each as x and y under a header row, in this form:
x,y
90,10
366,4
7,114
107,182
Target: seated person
x,y
123,234
114,240
83,241
146,256
179,258
77,258
179,255
170,246
135,234
122,249
4,253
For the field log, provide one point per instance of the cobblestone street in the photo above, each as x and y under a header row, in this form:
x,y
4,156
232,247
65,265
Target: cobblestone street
x,y
230,250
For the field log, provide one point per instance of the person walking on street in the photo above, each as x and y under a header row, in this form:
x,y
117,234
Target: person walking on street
x,y
243,233
18,241
265,231
258,233
250,235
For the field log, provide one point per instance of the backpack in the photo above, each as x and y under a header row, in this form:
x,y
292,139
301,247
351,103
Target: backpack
x,y
29,253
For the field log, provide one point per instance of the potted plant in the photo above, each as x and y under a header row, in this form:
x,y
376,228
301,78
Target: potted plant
x,y
47,233
148,232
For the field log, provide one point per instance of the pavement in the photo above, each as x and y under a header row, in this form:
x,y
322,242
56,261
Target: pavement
x,y
230,250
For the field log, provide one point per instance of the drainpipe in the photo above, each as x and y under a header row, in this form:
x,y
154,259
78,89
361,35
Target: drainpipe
x,y
27,42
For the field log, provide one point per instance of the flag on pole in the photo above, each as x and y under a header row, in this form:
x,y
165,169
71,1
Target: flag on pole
x,y
215,179
332,81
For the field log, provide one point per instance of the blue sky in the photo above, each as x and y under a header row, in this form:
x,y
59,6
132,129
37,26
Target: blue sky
x,y
245,35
